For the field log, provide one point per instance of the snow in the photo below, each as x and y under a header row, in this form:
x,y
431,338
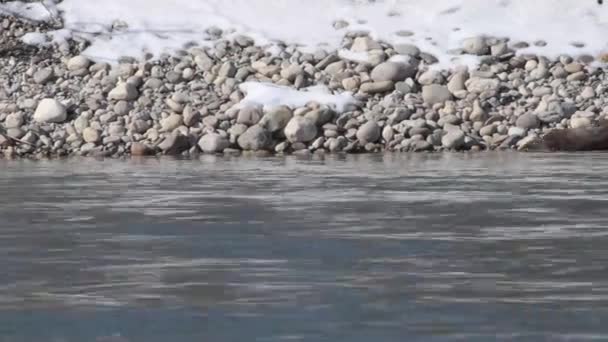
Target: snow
x,y
270,96
438,26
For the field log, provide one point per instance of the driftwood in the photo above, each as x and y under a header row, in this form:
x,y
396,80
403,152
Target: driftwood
x,y
573,139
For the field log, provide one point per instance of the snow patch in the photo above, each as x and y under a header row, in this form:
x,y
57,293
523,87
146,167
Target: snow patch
x,y
271,95
572,27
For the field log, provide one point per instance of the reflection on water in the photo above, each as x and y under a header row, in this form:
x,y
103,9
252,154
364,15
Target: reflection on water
x,y
359,248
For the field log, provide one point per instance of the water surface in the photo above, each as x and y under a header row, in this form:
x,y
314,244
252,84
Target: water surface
x,y
441,247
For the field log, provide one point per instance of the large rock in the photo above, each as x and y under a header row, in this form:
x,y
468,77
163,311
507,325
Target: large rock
x,y
124,91
50,110
276,119
435,93
91,135
249,115
174,144
369,133
393,71
213,143
300,129
453,139
528,121
255,138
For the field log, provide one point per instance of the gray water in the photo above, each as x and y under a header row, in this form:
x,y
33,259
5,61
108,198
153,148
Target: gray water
x,y
362,248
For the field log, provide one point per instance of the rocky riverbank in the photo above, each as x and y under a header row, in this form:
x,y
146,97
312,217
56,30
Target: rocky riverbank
x,y
55,102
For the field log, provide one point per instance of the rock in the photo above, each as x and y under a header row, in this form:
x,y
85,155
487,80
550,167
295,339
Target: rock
x,y
276,119
368,133
50,111
13,121
190,116
516,132
300,129
91,135
124,91
227,70
171,122
435,93
393,71
363,44
255,138
476,46
580,122
377,87
43,75
407,49
213,143
453,139
431,77
528,121
249,116
457,82
139,150
320,116
174,144
78,63
479,84
478,113
388,133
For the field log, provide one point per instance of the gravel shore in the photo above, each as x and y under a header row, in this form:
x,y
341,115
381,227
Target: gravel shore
x,y
55,102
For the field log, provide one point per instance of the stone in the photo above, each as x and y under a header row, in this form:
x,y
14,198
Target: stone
x,y
527,121
91,135
388,133
479,84
368,133
50,111
580,122
13,121
124,91
300,129
171,122
255,138
573,139
174,144
43,75
227,70
393,71
213,143
78,63
453,140
516,132
320,116
476,46
276,119
407,49
377,87
457,82
363,44
435,93
249,115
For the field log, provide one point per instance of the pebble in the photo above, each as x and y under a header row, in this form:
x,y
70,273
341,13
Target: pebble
x,y
393,71
50,111
435,93
124,91
300,130
368,133
255,138
213,143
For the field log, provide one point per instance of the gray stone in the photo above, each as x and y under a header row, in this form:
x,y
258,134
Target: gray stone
x,y
91,135
435,93
171,122
369,132
50,110
174,144
407,49
13,121
276,119
43,75
476,46
479,85
249,115
377,87
124,91
527,121
254,139
363,44
78,63
393,71
213,143
300,129
453,139
320,116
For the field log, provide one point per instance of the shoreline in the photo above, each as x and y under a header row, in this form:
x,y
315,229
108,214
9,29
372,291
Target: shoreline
x,y
57,103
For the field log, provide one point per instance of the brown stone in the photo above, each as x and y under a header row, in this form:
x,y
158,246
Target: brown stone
x,y
139,150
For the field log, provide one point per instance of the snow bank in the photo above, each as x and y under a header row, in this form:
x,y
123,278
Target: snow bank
x,y
270,95
435,26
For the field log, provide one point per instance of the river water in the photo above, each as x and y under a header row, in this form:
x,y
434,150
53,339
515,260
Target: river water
x,y
437,247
